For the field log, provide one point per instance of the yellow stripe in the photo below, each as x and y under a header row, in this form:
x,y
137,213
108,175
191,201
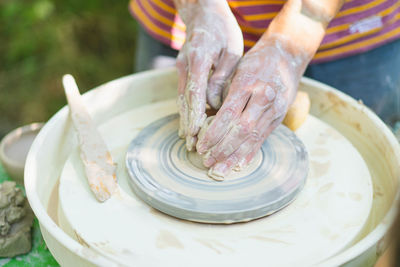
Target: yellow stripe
x,y
154,28
359,8
355,36
260,16
164,6
160,18
331,30
337,28
346,26
258,31
344,49
255,3
348,38
249,43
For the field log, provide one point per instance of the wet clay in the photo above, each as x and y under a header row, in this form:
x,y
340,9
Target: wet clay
x,y
196,160
16,219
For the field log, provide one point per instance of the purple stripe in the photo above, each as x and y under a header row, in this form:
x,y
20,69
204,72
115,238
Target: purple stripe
x,y
360,15
251,37
355,3
159,24
246,48
239,17
334,36
260,24
169,3
363,38
149,31
261,9
355,52
162,12
263,24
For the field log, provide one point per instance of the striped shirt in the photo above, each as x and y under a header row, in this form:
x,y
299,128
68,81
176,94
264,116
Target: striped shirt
x,y
360,25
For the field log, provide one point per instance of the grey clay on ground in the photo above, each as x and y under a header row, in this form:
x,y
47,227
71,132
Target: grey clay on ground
x,y
16,218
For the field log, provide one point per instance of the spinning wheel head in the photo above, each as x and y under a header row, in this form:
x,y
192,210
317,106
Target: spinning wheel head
x,y
167,177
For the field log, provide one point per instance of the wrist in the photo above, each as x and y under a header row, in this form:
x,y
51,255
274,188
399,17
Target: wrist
x,y
302,24
187,9
295,58
215,17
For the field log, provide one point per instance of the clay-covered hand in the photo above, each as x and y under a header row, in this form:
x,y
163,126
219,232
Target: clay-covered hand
x,y
263,86
213,47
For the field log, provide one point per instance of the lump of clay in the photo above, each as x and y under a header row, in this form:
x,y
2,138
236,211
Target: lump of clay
x,y
16,219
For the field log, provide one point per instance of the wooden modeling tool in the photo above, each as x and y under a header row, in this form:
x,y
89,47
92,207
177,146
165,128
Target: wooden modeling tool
x,y
99,166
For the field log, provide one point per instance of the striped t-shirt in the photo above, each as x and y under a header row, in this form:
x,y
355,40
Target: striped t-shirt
x,y
359,26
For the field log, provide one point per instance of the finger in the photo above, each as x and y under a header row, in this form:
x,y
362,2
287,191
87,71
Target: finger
x,y
218,79
267,129
195,92
191,142
227,116
181,66
245,153
222,169
238,133
257,122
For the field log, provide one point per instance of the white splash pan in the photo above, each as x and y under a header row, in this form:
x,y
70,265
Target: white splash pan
x,y
358,124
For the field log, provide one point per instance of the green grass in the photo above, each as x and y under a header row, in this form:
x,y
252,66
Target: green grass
x,y
41,40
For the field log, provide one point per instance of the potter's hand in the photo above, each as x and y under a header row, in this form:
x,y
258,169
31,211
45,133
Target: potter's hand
x,y
263,86
213,46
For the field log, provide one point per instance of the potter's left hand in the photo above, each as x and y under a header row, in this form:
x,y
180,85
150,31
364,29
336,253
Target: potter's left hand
x,y
264,85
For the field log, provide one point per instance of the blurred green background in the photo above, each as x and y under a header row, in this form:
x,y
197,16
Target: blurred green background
x,y
40,40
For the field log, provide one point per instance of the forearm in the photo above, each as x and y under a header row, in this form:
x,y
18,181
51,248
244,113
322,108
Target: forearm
x,y
301,25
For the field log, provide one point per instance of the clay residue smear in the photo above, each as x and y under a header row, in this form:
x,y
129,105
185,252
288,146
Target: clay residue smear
x,y
321,140
81,240
320,152
328,234
196,160
335,100
325,188
357,126
223,246
284,230
269,239
166,239
341,194
52,207
355,196
319,169
209,245
333,134
378,191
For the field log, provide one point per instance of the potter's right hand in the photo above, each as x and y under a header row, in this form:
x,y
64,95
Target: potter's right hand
x,y
213,47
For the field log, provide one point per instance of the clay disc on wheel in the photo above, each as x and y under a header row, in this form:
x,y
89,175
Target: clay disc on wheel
x,y
162,176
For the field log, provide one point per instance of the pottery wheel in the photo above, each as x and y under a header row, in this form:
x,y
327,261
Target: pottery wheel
x,y
163,175
327,215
